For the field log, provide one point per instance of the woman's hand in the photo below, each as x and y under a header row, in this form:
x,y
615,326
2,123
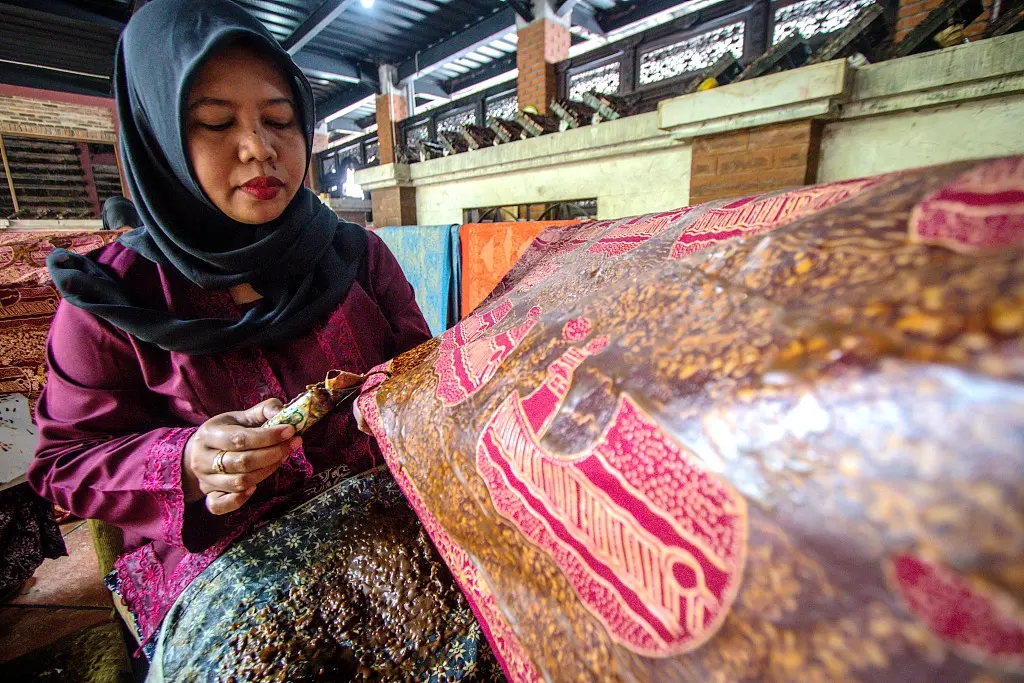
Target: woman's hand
x,y
246,453
360,421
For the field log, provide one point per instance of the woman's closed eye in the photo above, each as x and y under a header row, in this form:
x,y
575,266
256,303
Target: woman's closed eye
x,y
215,126
270,123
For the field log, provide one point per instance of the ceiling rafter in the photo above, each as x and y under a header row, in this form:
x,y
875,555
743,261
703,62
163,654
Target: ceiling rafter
x,y
321,18
344,99
468,40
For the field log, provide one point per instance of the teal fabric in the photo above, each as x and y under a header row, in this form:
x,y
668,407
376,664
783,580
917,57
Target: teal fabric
x,y
430,257
194,641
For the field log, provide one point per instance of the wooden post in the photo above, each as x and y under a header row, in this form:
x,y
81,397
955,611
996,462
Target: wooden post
x,y
120,170
87,175
7,172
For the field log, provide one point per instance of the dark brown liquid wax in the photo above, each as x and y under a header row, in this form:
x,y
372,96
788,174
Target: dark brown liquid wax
x,y
375,608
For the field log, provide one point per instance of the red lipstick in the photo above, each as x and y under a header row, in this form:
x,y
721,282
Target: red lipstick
x,y
264,187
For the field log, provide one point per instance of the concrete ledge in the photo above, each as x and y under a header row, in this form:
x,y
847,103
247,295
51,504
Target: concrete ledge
x,y
348,204
385,175
987,68
52,225
809,92
641,163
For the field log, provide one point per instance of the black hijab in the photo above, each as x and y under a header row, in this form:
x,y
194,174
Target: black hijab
x,y
118,212
303,263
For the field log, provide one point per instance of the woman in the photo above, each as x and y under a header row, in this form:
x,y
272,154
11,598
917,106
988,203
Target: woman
x,y
119,214
174,345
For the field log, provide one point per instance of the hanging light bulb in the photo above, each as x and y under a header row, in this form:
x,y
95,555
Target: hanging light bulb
x,y
367,3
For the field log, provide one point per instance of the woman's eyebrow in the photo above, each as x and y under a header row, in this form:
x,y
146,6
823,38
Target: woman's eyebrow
x,y
214,102
209,101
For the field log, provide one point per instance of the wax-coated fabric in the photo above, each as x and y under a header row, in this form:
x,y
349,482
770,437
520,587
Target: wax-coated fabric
x,y
775,438
209,634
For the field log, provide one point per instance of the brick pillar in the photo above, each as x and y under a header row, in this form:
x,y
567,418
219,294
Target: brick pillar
x,y
745,162
320,141
393,206
542,44
912,12
392,109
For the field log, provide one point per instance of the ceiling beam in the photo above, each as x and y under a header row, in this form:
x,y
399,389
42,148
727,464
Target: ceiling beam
x,y
66,10
321,18
52,79
524,8
477,35
344,99
583,16
563,6
432,88
486,72
328,68
344,125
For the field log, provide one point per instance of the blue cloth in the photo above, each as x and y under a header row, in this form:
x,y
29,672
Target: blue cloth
x,y
430,257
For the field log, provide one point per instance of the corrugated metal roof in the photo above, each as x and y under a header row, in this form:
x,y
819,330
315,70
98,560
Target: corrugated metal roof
x,y
32,36
394,30
281,17
50,42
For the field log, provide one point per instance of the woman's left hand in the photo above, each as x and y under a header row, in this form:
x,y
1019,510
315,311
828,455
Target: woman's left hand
x,y
360,422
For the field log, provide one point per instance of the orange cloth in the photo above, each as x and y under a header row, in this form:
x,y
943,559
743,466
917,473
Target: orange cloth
x,y
489,250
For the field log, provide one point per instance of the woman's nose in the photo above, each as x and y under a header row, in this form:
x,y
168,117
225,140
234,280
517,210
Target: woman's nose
x,y
256,147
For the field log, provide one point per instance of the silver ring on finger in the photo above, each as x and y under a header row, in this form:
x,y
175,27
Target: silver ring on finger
x,y
218,463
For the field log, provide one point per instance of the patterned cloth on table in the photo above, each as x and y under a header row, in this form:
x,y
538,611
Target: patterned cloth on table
x,y
430,258
28,532
770,438
235,593
489,250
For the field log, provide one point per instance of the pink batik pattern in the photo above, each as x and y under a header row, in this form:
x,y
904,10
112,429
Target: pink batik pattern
x,y
628,234
982,209
508,650
759,213
979,621
556,244
660,577
541,258
468,357
560,244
